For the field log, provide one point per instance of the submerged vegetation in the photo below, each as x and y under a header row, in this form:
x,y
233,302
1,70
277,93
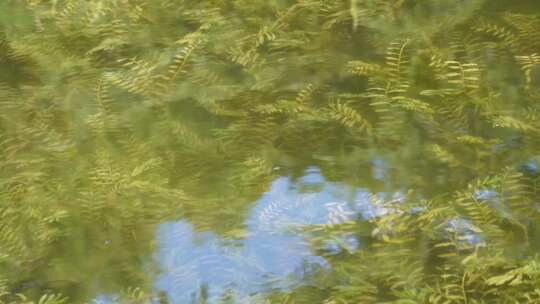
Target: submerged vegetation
x,y
119,115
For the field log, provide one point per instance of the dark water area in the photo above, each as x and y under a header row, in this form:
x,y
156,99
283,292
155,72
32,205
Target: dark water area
x,y
333,152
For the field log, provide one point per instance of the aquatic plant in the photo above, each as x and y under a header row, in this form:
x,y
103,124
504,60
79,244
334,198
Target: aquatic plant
x,y
117,115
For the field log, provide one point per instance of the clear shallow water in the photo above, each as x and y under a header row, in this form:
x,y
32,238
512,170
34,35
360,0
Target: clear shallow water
x,y
363,151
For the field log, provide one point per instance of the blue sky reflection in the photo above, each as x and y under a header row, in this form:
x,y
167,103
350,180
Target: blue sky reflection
x,y
272,255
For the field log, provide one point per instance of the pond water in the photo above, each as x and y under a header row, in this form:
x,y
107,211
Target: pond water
x,y
333,152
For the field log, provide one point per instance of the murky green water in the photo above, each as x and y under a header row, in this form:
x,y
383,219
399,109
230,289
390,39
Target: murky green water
x,y
363,151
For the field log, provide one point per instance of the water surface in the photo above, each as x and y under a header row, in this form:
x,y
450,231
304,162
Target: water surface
x,y
363,151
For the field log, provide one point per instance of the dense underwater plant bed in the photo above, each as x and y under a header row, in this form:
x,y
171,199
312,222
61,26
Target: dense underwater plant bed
x,y
234,151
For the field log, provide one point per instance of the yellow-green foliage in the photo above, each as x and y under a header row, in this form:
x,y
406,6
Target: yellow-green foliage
x,y
116,115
